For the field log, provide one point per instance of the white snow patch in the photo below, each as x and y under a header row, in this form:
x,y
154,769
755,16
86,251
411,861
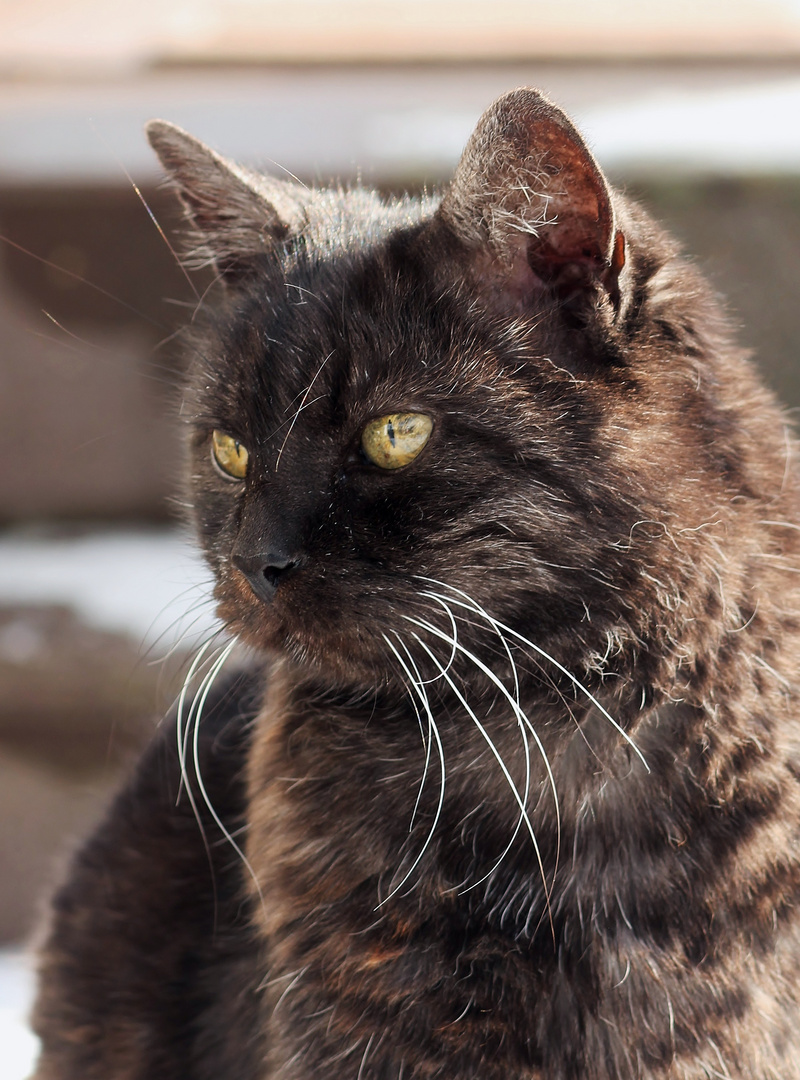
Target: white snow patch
x,y
19,1044
151,584
752,130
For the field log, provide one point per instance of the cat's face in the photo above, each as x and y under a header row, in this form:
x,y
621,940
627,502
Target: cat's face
x,y
386,436
409,421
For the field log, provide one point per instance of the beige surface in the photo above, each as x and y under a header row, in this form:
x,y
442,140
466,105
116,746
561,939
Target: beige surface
x,y
35,32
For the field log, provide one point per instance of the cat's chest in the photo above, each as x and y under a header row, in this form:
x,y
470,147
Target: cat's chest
x,y
439,998
356,946
477,977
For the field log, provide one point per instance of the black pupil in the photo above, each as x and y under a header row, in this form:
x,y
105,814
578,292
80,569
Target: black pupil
x,y
390,431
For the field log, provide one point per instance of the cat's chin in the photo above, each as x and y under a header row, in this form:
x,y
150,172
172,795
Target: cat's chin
x,y
343,666
338,658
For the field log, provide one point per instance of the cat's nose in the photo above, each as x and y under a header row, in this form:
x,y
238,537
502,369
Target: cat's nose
x,y
264,573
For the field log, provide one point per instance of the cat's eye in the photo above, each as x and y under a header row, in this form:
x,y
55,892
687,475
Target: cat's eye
x,y
229,454
390,442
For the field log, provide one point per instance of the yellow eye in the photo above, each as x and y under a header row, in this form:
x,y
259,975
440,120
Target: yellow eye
x,y
229,454
393,441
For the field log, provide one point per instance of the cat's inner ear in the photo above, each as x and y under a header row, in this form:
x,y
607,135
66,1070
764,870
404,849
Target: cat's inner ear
x,y
530,203
236,216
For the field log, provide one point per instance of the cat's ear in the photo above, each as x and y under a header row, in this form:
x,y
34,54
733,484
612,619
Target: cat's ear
x,y
530,203
236,215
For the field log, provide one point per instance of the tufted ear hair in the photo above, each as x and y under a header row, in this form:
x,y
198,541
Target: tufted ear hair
x,y
236,215
530,203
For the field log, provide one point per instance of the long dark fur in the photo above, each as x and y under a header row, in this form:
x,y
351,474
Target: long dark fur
x,y
581,599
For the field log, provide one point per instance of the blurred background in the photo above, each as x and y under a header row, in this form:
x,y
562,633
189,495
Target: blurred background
x,y
693,105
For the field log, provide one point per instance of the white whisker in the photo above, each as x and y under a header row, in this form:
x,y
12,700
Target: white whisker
x,y
453,651
195,748
181,739
300,408
523,722
521,715
487,738
434,731
193,726
427,742
471,605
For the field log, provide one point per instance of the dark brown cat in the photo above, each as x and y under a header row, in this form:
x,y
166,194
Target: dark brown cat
x,y
514,527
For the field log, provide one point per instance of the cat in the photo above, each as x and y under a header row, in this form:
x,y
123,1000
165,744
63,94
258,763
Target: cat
x,y
511,788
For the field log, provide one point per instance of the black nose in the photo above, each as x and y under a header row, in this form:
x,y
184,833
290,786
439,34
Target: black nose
x,y
264,573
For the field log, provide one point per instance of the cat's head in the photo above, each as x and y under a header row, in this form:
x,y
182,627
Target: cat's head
x,y
490,409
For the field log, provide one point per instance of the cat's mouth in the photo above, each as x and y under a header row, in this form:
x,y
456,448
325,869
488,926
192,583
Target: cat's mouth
x,y
306,622
367,634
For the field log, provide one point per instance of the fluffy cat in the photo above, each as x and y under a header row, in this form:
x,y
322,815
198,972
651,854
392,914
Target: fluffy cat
x,y
514,791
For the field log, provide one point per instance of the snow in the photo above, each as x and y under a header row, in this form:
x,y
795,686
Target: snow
x,y
19,1045
149,584
751,130
315,125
